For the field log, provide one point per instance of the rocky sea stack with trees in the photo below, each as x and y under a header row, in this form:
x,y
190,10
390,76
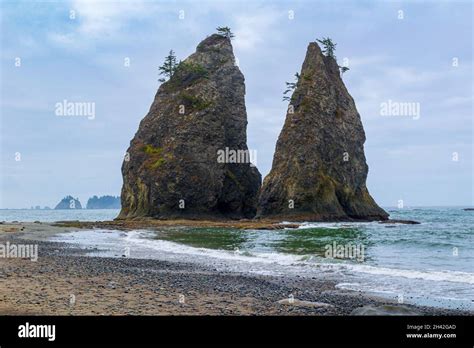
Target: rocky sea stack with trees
x,y
69,202
171,169
319,168
103,202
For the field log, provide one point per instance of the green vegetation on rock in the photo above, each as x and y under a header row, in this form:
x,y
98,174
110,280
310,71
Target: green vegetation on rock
x,y
194,102
158,163
169,66
155,156
343,69
186,74
225,32
328,46
150,149
290,86
192,68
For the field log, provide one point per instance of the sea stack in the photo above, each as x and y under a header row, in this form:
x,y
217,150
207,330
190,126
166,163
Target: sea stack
x,y
174,166
69,202
319,169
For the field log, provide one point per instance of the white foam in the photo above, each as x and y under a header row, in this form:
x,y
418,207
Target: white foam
x,y
334,225
298,264
450,276
142,238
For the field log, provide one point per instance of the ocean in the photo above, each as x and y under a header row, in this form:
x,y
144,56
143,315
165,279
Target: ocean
x,y
428,264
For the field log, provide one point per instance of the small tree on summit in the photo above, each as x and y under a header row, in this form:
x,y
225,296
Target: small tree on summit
x,y
225,31
329,46
169,66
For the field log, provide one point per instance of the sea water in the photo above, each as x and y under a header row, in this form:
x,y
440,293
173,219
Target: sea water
x,y
431,263
51,215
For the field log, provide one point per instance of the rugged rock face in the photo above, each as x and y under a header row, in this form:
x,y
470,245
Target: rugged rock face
x,y
173,169
319,169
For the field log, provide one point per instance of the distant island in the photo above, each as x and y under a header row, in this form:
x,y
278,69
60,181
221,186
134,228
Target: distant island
x,y
69,202
103,202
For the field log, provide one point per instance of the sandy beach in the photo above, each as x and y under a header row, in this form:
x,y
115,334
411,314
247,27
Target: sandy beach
x,y
63,281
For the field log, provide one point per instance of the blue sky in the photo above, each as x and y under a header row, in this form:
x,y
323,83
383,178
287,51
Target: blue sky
x,y
82,60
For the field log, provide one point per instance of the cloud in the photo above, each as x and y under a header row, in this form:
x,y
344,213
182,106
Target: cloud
x,y
251,30
96,20
62,39
99,18
457,101
360,62
386,81
408,76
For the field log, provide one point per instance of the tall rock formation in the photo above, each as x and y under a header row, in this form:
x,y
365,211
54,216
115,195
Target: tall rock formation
x,y
319,169
172,168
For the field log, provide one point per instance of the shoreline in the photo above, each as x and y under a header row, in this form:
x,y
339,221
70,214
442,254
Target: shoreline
x,y
255,224
128,286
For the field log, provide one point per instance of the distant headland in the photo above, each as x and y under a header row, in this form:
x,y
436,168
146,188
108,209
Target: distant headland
x,y
94,202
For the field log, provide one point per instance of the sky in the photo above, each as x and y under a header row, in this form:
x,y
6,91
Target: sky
x,y
397,52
